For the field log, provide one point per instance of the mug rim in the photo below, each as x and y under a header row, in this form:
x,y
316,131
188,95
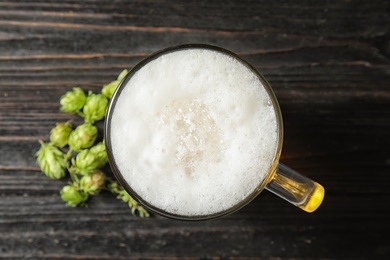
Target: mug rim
x,y
107,133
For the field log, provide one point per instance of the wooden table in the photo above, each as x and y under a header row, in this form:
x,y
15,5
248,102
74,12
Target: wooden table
x,y
328,62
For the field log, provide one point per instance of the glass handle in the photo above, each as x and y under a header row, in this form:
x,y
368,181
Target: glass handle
x,y
296,188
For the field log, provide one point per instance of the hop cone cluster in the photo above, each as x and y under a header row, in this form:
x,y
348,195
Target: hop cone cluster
x,y
78,152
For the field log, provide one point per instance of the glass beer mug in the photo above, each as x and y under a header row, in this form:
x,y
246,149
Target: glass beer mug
x,y
154,100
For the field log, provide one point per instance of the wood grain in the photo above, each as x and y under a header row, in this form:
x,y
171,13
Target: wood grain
x,y
328,62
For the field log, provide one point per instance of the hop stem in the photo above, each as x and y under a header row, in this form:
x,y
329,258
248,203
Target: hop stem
x,y
135,207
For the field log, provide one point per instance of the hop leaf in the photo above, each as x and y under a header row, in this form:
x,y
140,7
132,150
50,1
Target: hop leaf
x,y
59,135
90,159
73,101
93,182
51,161
95,107
82,137
109,89
73,196
122,75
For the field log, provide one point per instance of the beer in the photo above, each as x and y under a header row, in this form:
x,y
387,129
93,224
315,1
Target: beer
x,y
193,131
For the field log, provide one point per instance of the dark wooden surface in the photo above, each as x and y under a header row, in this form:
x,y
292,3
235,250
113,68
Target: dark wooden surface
x,y
328,62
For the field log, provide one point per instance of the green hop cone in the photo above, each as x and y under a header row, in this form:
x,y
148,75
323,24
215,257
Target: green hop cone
x,y
90,159
82,137
59,135
51,160
73,196
95,108
109,89
93,182
73,101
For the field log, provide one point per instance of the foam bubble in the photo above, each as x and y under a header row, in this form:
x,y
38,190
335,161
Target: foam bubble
x,y
193,132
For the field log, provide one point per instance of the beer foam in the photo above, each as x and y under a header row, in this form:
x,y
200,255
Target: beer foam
x,y
194,132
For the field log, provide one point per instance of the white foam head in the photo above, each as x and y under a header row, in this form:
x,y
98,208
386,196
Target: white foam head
x,y
194,132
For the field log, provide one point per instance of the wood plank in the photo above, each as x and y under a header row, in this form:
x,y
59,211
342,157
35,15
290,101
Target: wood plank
x,y
328,62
